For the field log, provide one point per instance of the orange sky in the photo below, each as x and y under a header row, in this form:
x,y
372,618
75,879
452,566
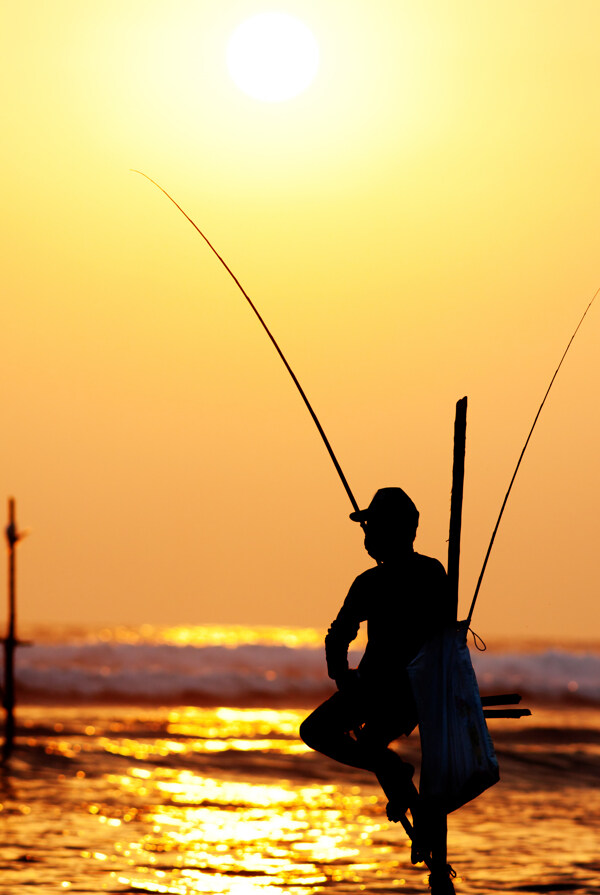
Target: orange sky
x,y
422,223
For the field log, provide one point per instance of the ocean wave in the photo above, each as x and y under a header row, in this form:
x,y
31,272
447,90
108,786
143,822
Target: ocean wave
x,y
551,674
168,673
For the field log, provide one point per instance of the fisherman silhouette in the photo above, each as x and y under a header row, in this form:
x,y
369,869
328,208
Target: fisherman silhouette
x,y
405,601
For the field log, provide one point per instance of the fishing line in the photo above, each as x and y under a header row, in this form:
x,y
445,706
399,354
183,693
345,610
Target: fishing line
x,y
491,544
338,468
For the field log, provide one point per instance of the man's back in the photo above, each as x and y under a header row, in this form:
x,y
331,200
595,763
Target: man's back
x,y
403,603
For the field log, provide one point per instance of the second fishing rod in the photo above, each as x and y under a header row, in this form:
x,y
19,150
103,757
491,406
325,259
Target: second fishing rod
x,y
316,419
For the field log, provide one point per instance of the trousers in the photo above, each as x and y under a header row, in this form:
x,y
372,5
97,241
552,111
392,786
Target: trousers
x,y
356,727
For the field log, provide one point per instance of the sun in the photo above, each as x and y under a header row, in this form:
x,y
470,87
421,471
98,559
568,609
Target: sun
x,y
272,56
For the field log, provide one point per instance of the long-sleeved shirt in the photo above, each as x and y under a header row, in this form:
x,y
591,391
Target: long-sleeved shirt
x,y
404,604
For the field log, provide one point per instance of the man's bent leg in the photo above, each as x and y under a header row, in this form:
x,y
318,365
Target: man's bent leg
x,y
393,773
328,731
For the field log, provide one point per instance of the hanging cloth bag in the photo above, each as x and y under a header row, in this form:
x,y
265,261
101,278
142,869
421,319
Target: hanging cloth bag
x,y
458,761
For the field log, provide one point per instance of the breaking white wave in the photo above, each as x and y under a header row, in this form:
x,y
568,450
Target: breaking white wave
x,y
169,673
551,674
106,668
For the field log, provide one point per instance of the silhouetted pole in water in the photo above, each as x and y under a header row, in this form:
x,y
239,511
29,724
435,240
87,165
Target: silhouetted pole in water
x,y
440,880
13,536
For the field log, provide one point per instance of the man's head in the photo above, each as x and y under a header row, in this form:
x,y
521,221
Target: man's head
x,y
390,522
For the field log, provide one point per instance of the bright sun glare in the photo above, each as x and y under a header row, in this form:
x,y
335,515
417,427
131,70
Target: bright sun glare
x,y
272,56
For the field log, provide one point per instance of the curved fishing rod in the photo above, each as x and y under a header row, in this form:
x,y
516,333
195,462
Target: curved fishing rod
x,y
491,544
271,337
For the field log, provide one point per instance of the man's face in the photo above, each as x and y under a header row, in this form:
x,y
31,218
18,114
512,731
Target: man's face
x,y
387,538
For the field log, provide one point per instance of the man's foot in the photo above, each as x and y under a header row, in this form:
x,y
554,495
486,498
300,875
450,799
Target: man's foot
x,y
421,844
396,809
419,853
440,881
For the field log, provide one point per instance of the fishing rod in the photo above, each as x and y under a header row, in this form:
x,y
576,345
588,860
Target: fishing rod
x,y
315,419
514,475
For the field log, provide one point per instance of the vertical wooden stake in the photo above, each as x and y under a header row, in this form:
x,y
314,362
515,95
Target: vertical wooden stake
x,y
456,501
440,881
10,641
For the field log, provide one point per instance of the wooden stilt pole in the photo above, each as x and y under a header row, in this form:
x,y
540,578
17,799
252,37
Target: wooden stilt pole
x,y
456,501
10,641
440,879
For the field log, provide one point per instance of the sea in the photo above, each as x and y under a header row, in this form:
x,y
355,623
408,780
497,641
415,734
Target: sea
x,y
167,760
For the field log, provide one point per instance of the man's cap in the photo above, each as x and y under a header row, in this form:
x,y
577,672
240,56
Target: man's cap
x,y
388,504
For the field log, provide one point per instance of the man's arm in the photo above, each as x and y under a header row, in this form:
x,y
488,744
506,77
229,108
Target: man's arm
x,y
341,633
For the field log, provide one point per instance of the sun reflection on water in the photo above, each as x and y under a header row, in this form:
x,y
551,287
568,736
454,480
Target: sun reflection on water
x,y
187,831
222,801
198,731
234,722
219,835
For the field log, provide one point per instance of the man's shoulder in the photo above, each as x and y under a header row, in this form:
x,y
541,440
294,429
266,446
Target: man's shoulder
x,y
427,568
429,564
366,578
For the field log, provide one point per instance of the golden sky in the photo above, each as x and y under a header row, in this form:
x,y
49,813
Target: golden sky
x,y
420,224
